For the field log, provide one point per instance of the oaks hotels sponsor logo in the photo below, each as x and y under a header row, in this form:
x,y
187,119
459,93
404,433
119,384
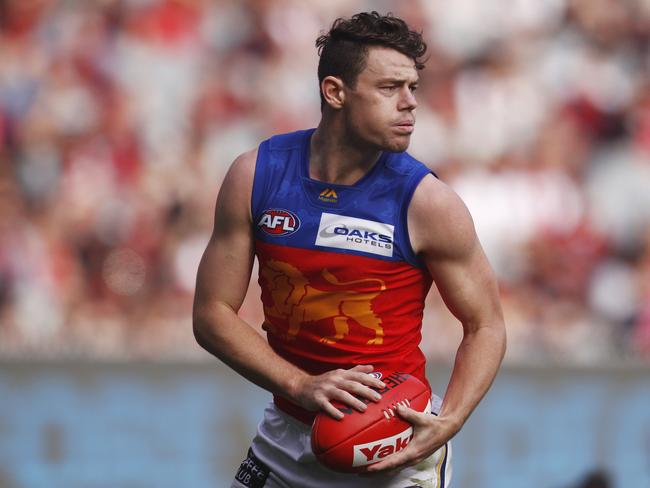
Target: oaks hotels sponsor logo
x,y
278,222
342,232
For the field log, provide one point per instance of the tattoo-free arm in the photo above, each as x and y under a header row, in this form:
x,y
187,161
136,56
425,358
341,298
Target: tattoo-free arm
x,y
222,281
443,235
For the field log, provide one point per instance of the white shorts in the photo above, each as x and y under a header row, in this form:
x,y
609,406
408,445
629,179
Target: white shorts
x,y
281,457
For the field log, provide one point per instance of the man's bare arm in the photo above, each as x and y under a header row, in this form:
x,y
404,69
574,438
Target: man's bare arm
x,y
442,233
222,281
469,288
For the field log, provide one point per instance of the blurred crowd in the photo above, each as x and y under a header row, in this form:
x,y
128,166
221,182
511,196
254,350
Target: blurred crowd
x,y
119,118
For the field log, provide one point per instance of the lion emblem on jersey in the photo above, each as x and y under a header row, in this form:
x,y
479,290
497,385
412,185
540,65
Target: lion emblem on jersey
x,y
296,301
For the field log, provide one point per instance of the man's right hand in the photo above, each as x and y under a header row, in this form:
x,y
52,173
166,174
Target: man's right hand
x,y
343,385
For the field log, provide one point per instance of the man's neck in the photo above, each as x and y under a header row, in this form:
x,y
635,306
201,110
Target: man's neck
x,y
334,158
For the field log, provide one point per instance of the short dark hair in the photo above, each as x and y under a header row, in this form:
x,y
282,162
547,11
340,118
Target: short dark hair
x,y
343,50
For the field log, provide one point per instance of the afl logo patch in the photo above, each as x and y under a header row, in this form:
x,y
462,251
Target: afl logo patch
x,y
278,222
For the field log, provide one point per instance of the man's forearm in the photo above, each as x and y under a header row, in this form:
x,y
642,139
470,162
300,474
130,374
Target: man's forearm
x,y
477,361
225,335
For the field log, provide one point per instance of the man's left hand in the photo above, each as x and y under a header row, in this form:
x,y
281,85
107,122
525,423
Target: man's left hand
x,y
429,434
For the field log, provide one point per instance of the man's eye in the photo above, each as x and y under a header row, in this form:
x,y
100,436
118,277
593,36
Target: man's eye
x,y
413,87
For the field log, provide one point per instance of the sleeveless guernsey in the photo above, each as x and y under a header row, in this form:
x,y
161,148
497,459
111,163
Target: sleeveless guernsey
x,y
341,285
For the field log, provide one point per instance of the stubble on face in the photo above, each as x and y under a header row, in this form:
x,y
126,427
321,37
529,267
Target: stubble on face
x,y
381,106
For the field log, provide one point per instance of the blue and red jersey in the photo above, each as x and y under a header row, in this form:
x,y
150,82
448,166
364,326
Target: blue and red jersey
x,y
340,282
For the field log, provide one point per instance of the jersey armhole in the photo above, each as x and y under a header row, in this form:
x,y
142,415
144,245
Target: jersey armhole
x,y
414,180
260,180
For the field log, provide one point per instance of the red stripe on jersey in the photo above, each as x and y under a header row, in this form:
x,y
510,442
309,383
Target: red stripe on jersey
x,y
326,310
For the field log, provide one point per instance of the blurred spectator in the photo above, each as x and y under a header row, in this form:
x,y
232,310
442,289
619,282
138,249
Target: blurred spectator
x,y
118,120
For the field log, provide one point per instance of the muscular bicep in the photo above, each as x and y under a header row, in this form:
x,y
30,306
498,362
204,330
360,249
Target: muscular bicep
x,y
224,272
442,233
467,285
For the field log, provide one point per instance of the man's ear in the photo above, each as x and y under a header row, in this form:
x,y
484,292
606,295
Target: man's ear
x,y
332,89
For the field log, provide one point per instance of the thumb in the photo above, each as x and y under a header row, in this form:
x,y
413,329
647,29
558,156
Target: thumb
x,y
410,415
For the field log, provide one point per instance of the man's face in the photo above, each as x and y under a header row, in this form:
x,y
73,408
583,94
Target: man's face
x,y
380,108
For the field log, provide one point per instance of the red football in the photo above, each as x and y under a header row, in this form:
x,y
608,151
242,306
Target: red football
x,y
363,438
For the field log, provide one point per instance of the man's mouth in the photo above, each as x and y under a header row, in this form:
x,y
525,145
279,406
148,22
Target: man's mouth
x,y
406,126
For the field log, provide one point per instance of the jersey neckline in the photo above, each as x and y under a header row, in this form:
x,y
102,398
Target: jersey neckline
x,y
360,184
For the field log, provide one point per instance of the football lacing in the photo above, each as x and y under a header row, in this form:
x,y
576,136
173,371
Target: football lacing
x,y
390,411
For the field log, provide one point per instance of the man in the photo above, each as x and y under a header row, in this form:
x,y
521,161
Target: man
x,y
349,231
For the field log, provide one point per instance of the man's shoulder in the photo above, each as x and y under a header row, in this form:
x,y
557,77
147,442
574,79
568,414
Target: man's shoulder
x,y
239,177
436,197
288,140
244,162
438,219
405,164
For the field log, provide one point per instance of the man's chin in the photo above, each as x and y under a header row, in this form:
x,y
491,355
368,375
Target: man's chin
x,y
398,146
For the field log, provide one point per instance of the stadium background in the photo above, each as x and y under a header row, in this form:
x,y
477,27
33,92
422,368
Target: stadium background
x,y
118,119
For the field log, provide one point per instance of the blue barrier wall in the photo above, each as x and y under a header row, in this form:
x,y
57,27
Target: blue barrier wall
x,y
173,425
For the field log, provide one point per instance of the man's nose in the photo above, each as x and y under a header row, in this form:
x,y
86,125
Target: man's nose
x,y
407,100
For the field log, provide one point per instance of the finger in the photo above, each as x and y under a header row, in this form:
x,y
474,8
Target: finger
x,y
412,416
360,390
396,461
367,379
409,455
349,399
331,410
